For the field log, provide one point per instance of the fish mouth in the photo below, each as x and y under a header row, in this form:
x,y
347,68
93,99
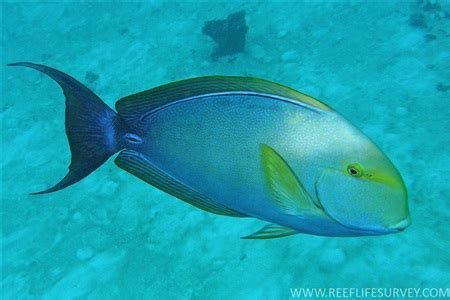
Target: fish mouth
x,y
373,230
402,225
368,230
397,227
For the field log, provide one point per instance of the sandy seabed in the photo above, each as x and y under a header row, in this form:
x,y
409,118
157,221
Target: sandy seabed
x,y
383,65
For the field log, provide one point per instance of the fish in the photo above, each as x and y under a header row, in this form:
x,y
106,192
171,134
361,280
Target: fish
x,y
241,147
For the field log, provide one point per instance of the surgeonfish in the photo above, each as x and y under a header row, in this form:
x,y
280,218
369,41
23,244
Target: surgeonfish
x,y
239,147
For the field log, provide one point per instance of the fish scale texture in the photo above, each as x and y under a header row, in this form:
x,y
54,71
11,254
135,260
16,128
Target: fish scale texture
x,y
383,65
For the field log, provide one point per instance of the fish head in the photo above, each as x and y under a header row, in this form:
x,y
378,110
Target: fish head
x,y
362,189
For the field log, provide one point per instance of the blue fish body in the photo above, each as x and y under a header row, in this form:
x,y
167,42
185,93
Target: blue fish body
x,y
211,143
240,147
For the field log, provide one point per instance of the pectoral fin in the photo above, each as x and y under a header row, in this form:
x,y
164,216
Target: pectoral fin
x,y
271,231
286,191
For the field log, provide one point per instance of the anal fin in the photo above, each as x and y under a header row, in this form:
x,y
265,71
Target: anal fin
x,y
140,166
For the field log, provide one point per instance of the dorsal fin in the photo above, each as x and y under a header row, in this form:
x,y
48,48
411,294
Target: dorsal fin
x,y
134,106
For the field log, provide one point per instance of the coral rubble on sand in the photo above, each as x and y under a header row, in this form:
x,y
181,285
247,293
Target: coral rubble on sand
x,y
229,34
384,65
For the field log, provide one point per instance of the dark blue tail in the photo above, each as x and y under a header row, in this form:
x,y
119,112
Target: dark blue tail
x,y
93,129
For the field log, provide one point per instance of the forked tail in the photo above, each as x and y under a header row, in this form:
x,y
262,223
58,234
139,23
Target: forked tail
x,y
93,129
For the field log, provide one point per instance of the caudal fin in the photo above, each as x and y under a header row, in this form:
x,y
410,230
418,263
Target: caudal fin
x,y
92,128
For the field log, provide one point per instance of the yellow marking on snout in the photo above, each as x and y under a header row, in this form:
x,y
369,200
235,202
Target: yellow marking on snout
x,y
376,176
383,178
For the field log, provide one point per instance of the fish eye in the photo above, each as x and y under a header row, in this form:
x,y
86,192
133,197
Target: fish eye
x,y
355,170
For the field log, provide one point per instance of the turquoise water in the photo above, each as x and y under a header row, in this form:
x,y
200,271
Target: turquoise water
x,y
383,65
